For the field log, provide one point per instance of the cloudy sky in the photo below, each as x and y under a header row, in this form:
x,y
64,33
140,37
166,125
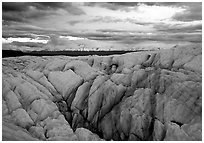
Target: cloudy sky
x,y
120,21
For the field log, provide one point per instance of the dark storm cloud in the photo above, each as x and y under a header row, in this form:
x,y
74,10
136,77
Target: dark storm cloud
x,y
193,12
69,7
14,6
10,16
24,6
112,5
24,16
73,22
23,11
49,5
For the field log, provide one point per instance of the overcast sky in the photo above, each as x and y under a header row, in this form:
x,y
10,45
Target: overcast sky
x,y
163,21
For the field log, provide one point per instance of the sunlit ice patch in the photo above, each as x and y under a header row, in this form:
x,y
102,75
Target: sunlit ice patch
x,y
23,39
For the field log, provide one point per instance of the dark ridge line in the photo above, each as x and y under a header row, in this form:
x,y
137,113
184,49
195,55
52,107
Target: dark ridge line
x,y
15,53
